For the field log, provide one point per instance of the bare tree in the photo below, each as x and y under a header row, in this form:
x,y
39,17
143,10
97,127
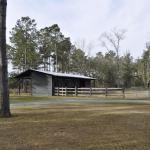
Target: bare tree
x,y
90,46
4,94
111,40
81,44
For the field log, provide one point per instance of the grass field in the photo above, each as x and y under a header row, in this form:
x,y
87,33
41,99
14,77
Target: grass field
x,y
77,127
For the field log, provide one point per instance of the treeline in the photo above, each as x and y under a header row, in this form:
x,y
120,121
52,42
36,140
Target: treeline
x,y
48,49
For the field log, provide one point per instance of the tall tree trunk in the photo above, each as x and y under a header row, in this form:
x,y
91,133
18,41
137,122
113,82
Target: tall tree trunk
x,y
4,93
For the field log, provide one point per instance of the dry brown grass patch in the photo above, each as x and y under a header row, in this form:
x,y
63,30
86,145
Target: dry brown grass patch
x,y
77,127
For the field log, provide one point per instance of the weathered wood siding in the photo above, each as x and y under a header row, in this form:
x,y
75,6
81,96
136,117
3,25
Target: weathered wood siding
x,y
70,82
87,83
41,84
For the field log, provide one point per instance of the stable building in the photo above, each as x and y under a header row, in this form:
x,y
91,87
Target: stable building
x,y
43,83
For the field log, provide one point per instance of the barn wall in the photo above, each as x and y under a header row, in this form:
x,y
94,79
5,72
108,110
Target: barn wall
x,y
88,83
71,82
41,84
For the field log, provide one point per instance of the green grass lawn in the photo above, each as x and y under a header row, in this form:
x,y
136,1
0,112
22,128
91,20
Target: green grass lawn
x,y
15,99
27,98
77,127
129,95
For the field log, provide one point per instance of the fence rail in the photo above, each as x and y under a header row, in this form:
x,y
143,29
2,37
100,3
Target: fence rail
x,y
88,91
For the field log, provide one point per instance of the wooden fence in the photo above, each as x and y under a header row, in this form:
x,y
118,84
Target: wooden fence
x,y
88,91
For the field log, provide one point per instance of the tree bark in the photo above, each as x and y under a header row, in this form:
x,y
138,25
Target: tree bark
x,y
4,93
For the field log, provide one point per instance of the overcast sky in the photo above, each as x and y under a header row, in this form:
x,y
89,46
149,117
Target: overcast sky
x,y
87,19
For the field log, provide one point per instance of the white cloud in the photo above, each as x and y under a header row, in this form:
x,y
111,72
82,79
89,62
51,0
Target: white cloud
x,y
87,19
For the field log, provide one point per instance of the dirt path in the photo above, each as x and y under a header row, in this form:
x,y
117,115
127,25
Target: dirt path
x,y
75,101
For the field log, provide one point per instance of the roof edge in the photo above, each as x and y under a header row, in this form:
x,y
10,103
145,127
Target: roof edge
x,y
57,74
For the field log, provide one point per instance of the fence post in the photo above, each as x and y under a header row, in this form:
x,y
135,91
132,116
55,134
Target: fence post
x,y
62,90
123,91
90,91
148,92
76,91
66,91
58,91
106,92
19,89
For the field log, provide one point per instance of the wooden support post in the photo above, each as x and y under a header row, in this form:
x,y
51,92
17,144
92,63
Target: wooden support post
x,y
66,91
58,91
63,91
76,91
31,86
94,83
90,91
19,87
123,91
106,92
148,92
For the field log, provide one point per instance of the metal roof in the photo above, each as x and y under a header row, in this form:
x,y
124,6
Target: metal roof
x,y
57,74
